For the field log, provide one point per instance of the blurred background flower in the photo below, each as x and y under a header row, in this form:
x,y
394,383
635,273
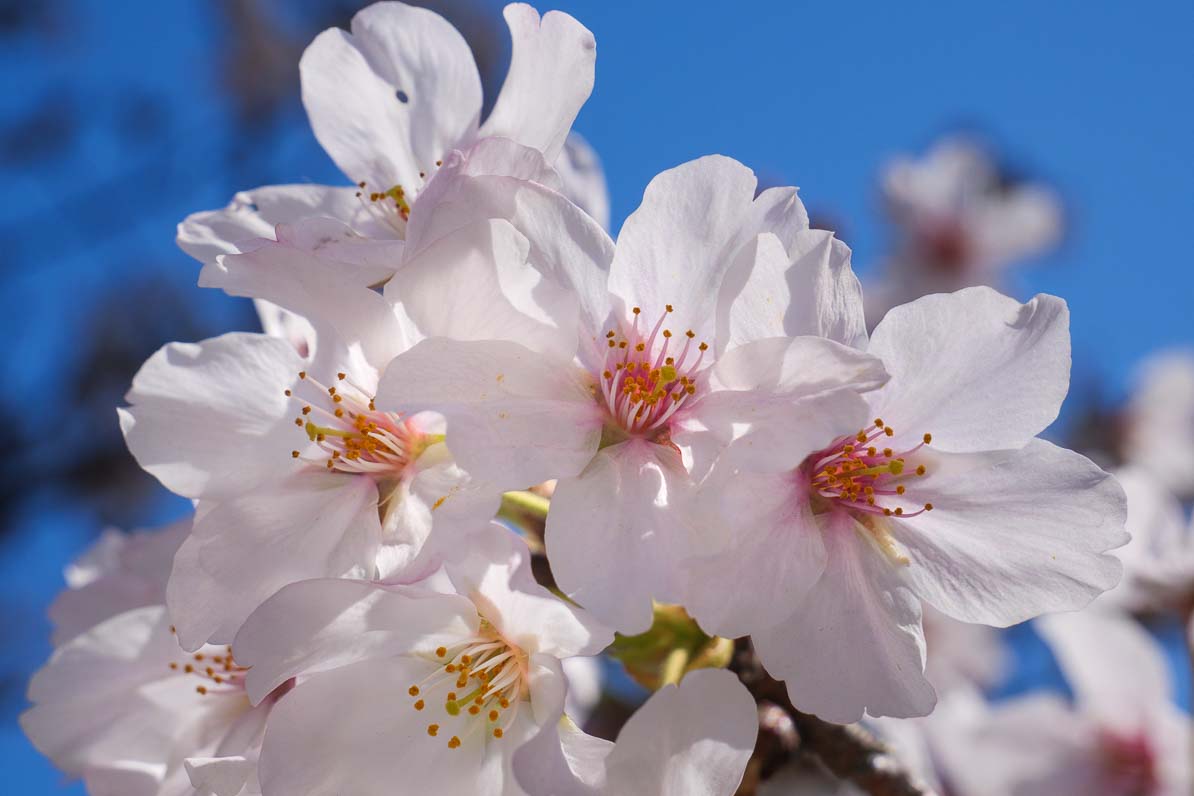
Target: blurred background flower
x,y
1032,147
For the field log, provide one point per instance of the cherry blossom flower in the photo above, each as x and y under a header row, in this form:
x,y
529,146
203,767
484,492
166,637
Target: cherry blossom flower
x,y
298,473
1122,734
434,684
693,739
1160,421
393,98
120,703
718,308
945,497
961,224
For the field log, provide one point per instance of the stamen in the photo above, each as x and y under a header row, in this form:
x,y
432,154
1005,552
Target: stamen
x,y
642,383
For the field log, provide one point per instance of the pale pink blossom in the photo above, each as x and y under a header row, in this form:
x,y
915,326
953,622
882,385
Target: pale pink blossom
x,y
433,684
1121,735
120,704
943,496
297,473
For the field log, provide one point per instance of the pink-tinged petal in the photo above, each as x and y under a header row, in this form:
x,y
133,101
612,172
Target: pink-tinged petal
x,y
550,77
1012,534
252,215
756,529
1116,670
976,369
350,320
430,517
220,776
777,211
562,761
673,248
494,179
121,572
582,178
352,731
807,288
690,740
210,419
783,398
319,625
1035,746
855,642
312,525
515,418
495,569
475,284
614,534
393,97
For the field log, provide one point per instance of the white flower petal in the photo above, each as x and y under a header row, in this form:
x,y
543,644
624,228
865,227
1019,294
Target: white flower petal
x,y
494,180
551,75
253,215
582,178
119,573
672,249
349,319
211,419
312,525
978,370
758,532
515,418
794,395
350,731
319,625
1012,534
393,97
496,568
562,760
475,284
221,776
855,641
690,740
807,288
614,537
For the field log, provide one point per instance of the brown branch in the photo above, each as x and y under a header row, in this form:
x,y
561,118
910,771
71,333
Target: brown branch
x,y
848,751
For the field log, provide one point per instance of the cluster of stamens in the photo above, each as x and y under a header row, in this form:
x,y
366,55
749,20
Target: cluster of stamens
x,y
218,673
859,473
357,438
480,682
391,206
642,386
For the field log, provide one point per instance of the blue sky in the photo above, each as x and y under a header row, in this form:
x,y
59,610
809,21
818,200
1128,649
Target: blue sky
x,y
1092,99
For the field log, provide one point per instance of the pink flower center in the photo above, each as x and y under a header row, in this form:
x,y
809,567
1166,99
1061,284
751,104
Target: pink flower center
x,y
215,670
648,377
356,438
478,683
860,473
1129,763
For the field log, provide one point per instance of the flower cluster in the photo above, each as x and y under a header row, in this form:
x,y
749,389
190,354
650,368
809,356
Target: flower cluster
x,y
700,400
